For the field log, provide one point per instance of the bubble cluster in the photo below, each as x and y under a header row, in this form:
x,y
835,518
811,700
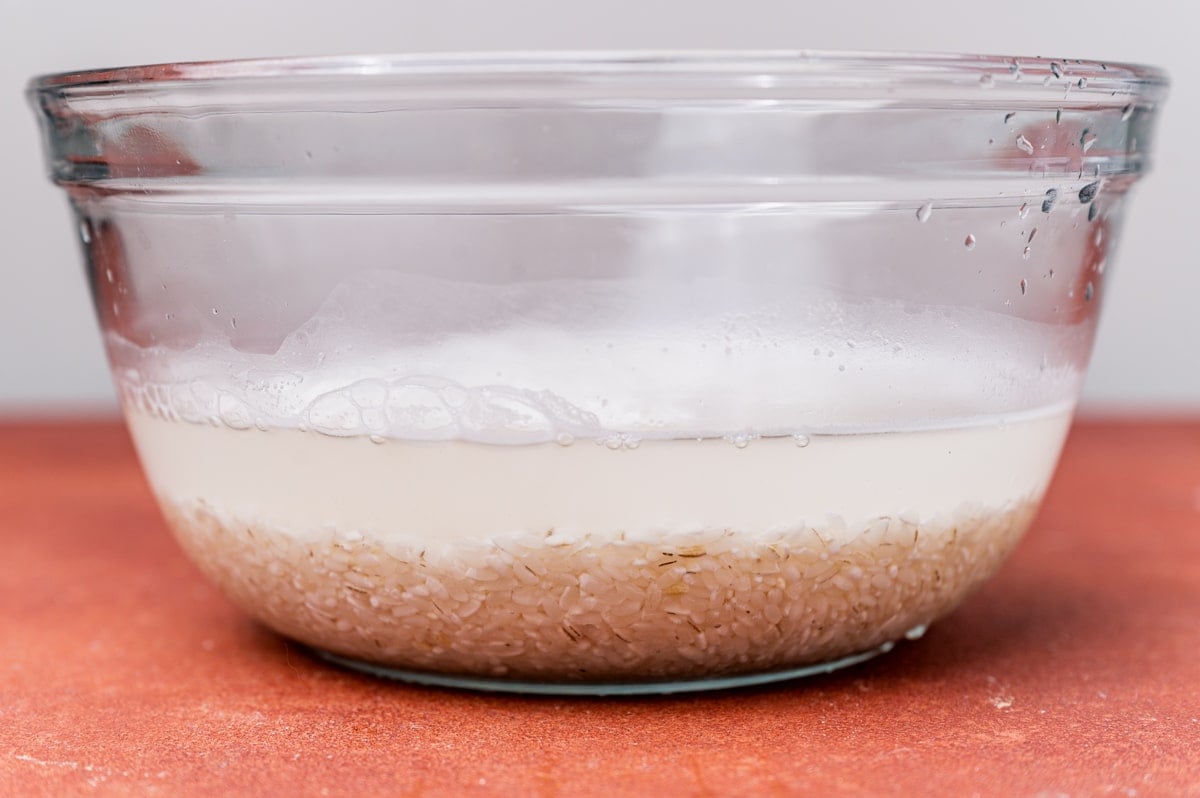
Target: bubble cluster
x,y
433,408
416,409
193,401
742,438
618,440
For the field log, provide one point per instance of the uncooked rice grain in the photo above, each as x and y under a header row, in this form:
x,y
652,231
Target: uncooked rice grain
x,y
603,607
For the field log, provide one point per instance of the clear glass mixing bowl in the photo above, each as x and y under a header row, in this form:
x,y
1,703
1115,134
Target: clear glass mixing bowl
x,y
599,373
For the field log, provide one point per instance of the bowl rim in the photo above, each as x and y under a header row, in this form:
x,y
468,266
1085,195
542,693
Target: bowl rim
x,y
727,68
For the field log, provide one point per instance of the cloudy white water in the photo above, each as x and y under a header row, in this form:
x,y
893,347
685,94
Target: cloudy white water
x,y
308,484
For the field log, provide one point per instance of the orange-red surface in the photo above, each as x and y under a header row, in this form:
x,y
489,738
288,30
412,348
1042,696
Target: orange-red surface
x,y
1076,671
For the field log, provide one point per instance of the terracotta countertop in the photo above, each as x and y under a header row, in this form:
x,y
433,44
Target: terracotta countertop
x,y
1075,672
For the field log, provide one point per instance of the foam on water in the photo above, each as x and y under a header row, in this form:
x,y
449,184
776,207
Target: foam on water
x,y
385,357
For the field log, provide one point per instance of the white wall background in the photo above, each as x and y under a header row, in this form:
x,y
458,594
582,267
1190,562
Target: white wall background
x,y
1148,353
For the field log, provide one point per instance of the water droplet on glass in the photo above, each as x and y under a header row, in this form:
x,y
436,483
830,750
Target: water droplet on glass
x,y
1008,117
1093,211
801,439
1088,292
376,439
1088,192
1100,267
1051,274
1126,112
1055,70
564,439
817,352
233,322
841,367
1098,238
1082,83
1024,283
85,231
1023,211
1023,145
632,443
924,212
969,242
216,312
1025,256
1088,143
108,274
613,442
1048,202
987,81
1032,233
916,633
1058,117
1014,68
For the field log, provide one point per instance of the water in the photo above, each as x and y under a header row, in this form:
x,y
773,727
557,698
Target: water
x,y
442,490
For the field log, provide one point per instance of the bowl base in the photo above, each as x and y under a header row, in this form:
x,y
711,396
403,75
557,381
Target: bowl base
x,y
599,688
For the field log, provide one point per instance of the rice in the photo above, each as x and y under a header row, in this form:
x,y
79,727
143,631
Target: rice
x,y
603,607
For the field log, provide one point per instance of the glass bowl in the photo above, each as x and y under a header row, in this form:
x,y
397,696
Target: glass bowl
x,y
599,373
